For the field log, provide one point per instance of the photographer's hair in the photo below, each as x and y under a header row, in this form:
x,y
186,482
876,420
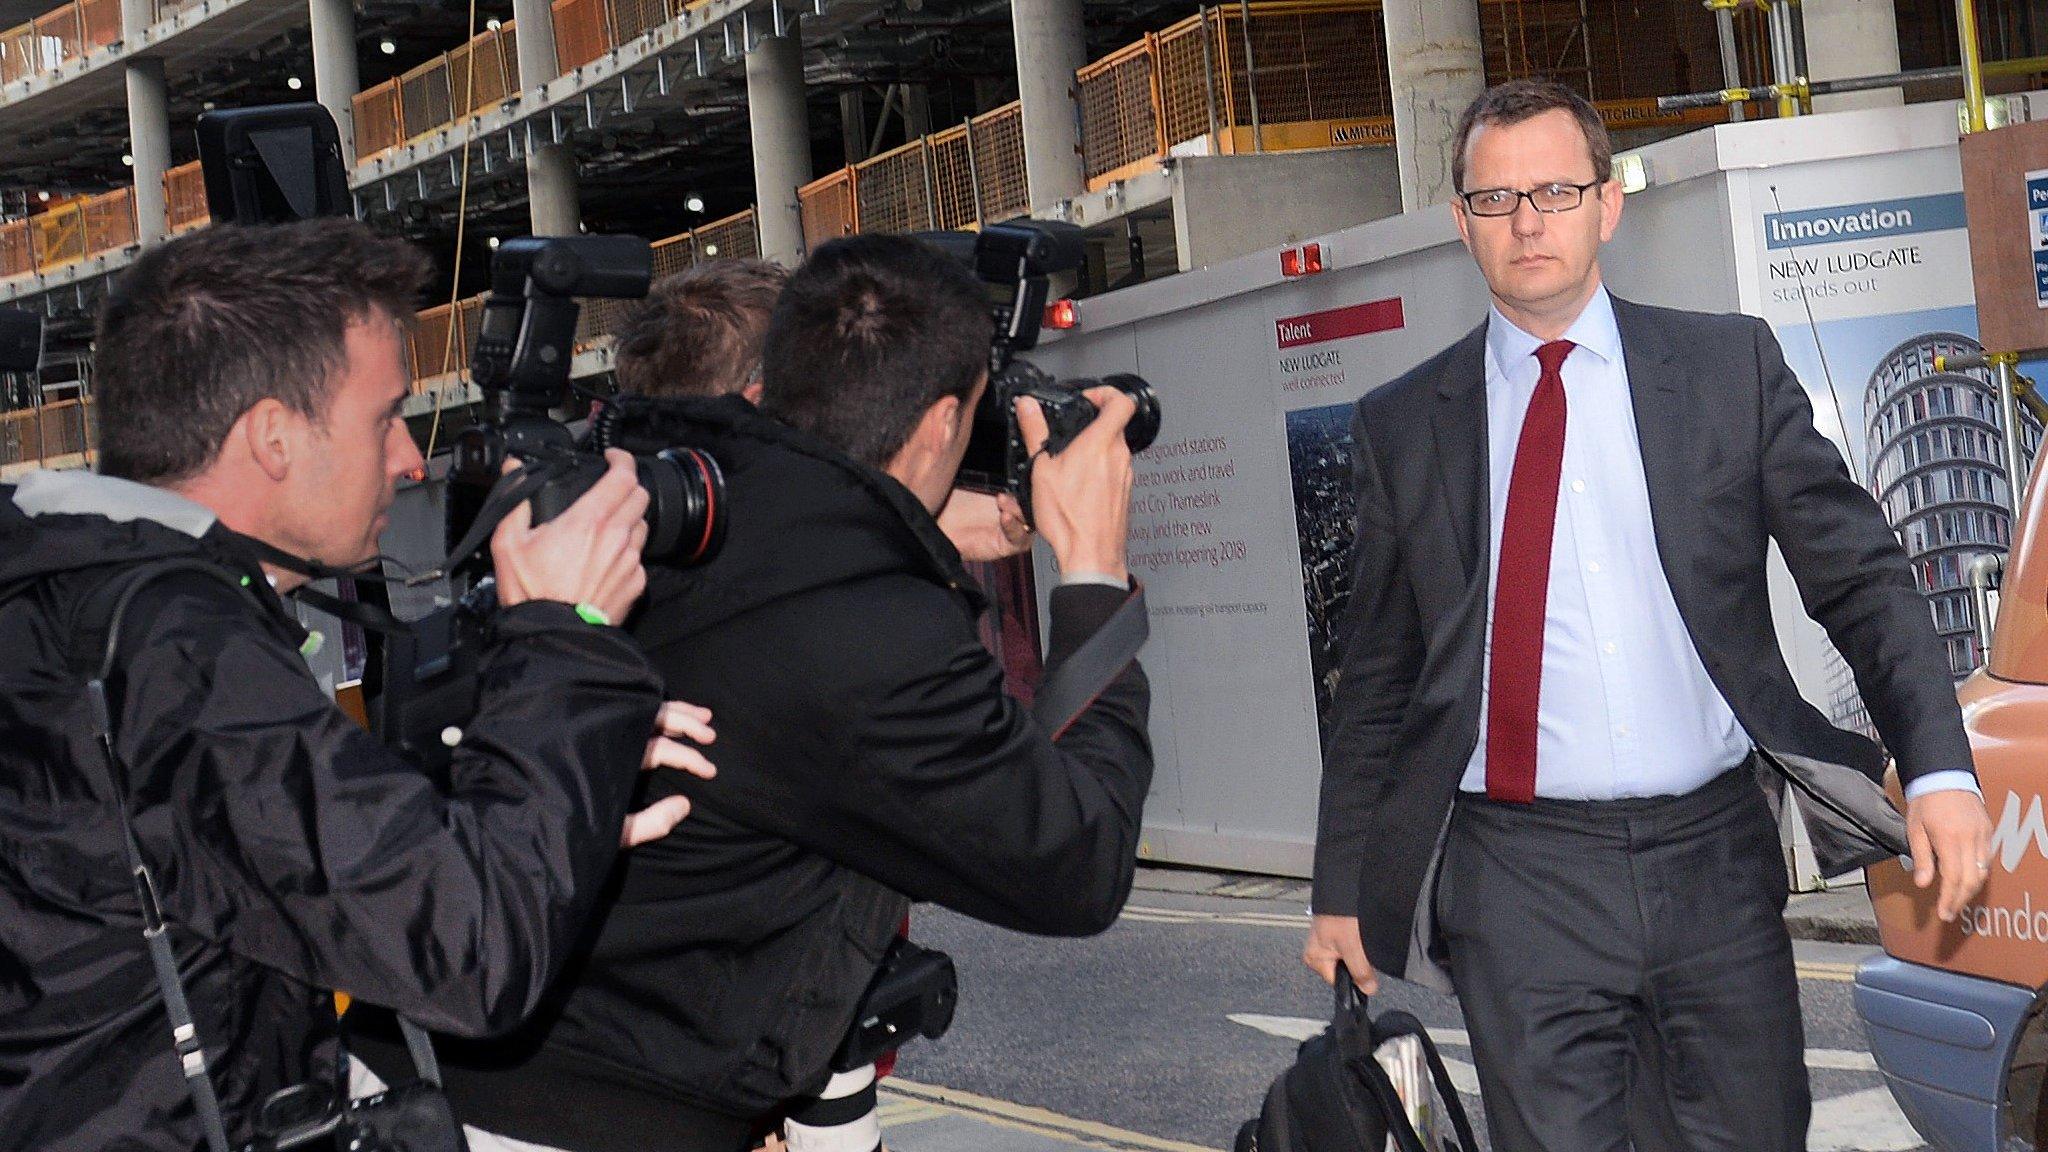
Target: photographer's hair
x,y
1518,100
199,330
699,332
869,334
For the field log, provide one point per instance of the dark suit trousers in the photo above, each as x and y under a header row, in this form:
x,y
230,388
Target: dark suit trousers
x,y
1576,928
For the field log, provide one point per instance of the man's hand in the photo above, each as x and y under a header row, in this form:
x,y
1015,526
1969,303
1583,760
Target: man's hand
x,y
985,527
590,554
1081,497
1949,833
675,723
1333,940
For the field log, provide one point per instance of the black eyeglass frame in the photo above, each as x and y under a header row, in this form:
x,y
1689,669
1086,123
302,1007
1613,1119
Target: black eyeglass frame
x,y
1529,194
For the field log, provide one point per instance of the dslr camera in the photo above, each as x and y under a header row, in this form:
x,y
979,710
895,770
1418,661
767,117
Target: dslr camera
x,y
1017,261
521,364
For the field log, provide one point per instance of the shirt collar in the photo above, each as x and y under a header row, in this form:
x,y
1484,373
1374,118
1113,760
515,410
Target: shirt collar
x,y
1594,330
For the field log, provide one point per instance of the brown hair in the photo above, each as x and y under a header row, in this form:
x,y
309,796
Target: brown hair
x,y
1519,100
699,332
199,330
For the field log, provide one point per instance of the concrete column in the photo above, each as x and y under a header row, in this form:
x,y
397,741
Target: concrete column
x,y
1436,68
550,168
551,199
335,79
1847,38
149,143
781,130
536,40
1051,44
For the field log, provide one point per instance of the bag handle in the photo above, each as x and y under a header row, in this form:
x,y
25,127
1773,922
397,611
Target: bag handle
x,y
1398,1023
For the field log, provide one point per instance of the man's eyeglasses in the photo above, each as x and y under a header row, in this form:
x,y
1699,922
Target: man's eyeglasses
x,y
1506,201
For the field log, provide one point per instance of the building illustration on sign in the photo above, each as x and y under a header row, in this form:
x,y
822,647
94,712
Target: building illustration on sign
x,y
1937,469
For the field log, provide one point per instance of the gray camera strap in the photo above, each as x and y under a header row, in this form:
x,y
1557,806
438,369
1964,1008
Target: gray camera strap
x,y
185,1037
1071,688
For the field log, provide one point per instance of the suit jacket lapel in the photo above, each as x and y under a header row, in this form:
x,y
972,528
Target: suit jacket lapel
x,y
1663,413
1459,423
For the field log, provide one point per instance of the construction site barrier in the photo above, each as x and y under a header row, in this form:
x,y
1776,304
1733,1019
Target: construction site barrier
x,y
57,37
185,199
69,232
62,431
476,77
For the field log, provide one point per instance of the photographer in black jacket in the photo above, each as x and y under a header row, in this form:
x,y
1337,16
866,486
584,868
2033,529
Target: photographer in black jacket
x,y
249,387
867,753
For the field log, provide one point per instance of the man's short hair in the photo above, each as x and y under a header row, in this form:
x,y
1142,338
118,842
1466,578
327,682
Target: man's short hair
x,y
199,330
869,334
1519,100
699,332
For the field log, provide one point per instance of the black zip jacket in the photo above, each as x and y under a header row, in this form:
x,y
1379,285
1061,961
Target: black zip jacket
x,y
292,853
866,754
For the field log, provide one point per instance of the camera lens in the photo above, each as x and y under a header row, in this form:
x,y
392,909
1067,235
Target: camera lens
x,y
686,514
1144,425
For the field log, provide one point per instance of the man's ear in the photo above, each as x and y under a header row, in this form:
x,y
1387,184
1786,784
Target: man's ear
x,y
269,432
940,424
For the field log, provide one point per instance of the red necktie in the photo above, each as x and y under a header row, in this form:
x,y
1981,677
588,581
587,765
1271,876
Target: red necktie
x,y
1522,586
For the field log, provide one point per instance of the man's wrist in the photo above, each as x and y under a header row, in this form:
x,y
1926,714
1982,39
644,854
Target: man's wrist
x,y
1069,579
1946,780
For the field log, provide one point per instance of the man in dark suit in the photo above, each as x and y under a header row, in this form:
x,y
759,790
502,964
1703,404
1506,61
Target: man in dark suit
x,y
1559,659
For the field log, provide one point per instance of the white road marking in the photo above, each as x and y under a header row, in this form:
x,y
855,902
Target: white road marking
x,y
1866,1121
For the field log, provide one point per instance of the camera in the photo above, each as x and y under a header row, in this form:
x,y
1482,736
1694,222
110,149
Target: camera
x,y
412,1117
1017,261
521,362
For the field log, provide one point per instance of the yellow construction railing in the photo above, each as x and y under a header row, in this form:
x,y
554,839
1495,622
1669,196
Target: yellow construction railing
x,y
71,231
185,199
451,87
59,433
58,37
969,175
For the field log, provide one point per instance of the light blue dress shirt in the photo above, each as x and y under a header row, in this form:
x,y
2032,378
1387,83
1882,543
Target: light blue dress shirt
x,y
1626,706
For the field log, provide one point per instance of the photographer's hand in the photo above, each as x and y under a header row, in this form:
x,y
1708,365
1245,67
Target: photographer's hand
x,y
1081,497
590,554
985,527
677,722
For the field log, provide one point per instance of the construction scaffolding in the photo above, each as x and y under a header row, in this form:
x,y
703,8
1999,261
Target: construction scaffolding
x,y
185,199
58,37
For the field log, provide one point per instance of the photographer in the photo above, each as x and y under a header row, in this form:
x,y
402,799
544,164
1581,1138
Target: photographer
x,y
250,384
868,755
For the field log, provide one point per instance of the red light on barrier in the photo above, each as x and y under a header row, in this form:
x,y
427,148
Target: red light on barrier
x,y
1306,260
1062,315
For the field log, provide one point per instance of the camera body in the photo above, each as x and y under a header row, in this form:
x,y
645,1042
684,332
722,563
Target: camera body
x,y
412,1117
521,362
1016,261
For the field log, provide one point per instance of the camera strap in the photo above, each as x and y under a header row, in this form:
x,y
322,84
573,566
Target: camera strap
x,y
1071,688
185,1038
508,494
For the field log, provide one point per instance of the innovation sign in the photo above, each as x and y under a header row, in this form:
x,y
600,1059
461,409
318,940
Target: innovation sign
x,y
1867,221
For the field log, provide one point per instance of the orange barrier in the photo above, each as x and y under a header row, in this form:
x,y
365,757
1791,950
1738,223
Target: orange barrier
x,y
185,199
475,77
58,37
17,249
583,32
826,206
47,433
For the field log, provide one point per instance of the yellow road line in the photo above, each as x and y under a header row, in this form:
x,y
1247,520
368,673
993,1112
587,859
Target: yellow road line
x,y
1044,1122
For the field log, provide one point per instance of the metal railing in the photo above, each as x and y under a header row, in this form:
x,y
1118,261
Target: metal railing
x,y
476,77
185,199
68,233
58,37
60,432
966,176
444,91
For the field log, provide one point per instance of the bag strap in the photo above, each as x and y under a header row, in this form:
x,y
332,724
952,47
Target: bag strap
x,y
1398,1023
185,1037
1070,689
1381,1086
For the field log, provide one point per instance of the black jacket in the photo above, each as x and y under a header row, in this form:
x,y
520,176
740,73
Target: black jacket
x,y
866,756
293,854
